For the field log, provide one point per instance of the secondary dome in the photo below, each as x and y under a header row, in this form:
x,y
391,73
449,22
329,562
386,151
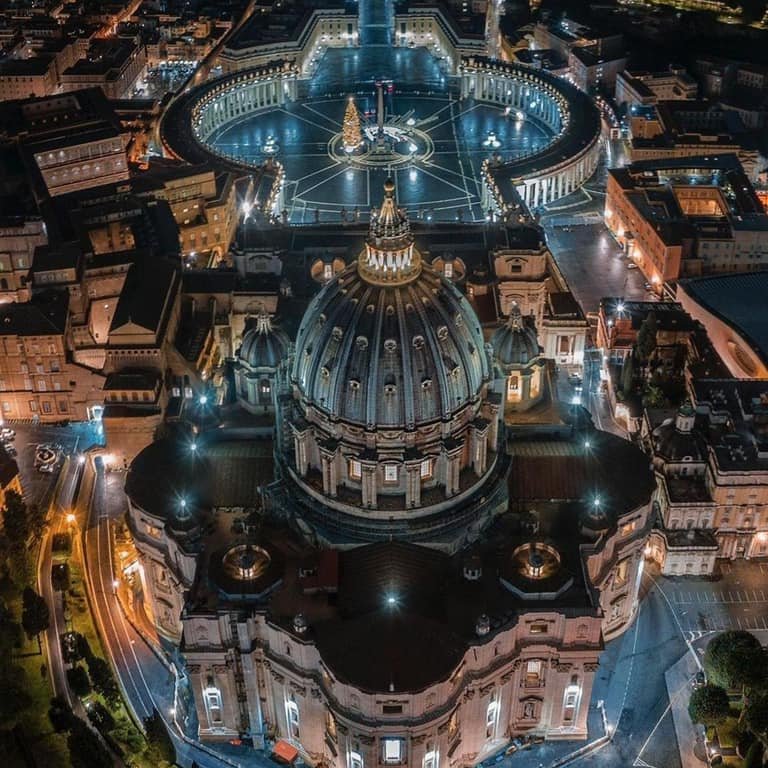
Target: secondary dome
x,y
515,343
389,342
263,345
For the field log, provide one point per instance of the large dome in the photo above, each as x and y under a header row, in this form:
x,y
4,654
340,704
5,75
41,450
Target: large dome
x,y
389,355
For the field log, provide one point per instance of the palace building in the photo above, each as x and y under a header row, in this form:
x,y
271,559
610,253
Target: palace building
x,y
425,559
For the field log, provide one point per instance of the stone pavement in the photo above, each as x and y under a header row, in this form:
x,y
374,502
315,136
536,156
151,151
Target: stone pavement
x,y
690,737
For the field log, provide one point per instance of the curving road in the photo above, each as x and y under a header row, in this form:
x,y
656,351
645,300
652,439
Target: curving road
x,y
147,681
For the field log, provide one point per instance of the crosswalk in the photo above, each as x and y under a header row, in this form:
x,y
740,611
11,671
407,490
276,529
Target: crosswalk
x,y
725,596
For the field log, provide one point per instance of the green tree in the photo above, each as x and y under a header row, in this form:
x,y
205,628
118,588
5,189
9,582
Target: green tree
x,y
10,632
15,520
160,749
35,617
709,705
36,521
60,714
735,659
103,680
654,397
756,717
646,338
86,749
78,681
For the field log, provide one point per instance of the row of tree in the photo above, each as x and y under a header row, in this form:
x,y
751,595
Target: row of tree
x,y
735,661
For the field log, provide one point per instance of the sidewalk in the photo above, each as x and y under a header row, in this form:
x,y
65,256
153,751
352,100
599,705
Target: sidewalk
x,y
553,754
690,737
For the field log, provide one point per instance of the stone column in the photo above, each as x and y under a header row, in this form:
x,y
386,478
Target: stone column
x,y
479,434
300,449
369,484
413,484
328,465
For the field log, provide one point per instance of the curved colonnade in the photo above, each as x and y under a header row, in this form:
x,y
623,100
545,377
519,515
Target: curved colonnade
x,y
560,168
538,178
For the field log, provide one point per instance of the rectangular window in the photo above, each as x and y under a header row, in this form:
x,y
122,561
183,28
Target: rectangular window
x,y
213,705
540,628
47,407
355,469
292,712
533,673
392,709
355,760
622,570
390,473
33,406
393,751
425,470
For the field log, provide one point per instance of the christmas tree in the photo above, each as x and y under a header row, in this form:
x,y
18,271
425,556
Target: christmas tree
x,y
351,134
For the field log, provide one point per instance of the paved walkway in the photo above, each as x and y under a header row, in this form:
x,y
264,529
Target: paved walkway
x,y
553,754
690,737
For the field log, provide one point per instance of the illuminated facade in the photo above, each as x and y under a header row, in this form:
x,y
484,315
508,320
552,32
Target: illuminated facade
x,y
360,615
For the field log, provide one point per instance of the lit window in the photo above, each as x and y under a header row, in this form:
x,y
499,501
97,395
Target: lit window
x,y
491,717
533,673
425,470
539,628
390,473
430,759
628,528
355,760
355,469
621,573
292,716
393,751
213,705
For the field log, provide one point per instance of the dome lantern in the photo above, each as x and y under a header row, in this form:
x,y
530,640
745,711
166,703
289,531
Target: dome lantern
x,y
390,257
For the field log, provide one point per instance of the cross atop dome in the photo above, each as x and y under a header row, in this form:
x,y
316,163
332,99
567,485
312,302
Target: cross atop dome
x,y
389,257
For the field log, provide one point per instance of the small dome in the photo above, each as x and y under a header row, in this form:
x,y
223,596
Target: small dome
x,y
263,345
515,343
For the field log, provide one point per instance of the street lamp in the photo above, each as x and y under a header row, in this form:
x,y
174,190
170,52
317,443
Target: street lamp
x,y
203,399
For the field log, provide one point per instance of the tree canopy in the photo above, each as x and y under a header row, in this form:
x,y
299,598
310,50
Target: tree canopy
x,y
735,659
35,616
709,705
646,338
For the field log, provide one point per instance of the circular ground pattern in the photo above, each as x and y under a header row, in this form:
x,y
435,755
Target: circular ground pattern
x,y
440,180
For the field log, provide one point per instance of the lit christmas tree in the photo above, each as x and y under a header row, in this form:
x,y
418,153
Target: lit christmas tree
x,y
352,136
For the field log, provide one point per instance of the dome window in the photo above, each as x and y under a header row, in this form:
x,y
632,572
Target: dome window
x,y
390,310
442,332
390,473
390,390
324,372
354,384
321,319
455,371
418,342
337,333
459,320
426,384
370,309
390,345
361,342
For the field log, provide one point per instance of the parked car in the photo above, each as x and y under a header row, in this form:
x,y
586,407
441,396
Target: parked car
x,y
574,379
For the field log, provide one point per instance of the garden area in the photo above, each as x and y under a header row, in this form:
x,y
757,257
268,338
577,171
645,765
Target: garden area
x,y
732,702
37,728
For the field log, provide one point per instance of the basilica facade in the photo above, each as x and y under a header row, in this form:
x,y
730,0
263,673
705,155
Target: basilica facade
x,y
430,561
